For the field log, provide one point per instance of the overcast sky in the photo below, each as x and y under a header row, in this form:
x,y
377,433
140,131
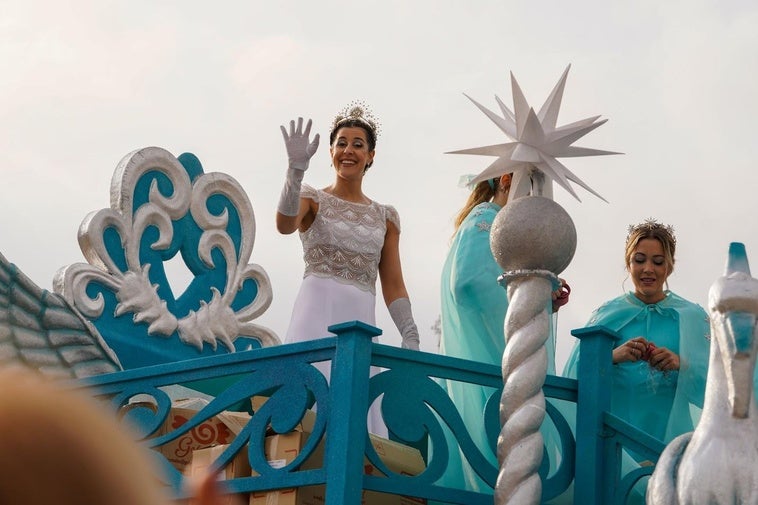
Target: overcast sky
x,y
83,83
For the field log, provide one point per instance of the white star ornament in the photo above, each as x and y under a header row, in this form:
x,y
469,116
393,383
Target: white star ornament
x,y
537,142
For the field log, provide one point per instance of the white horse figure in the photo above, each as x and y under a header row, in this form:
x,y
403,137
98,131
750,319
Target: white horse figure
x,y
716,464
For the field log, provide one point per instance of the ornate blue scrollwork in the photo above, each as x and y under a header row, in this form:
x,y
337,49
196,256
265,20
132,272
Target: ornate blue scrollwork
x,y
144,405
162,206
424,415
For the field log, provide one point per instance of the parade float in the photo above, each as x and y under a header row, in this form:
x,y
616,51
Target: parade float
x,y
208,388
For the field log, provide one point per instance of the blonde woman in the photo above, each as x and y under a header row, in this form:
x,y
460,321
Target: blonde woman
x,y
661,360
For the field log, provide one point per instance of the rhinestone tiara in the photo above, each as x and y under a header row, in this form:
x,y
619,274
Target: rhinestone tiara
x,y
357,110
650,224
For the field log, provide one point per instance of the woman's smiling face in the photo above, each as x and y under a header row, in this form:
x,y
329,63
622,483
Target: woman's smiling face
x,y
649,271
350,152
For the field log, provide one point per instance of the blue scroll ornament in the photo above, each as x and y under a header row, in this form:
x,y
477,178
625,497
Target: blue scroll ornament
x,y
118,311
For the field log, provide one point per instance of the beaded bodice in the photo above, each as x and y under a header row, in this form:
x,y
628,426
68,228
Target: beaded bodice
x,y
346,238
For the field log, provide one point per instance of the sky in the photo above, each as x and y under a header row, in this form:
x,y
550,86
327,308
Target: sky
x,y
83,83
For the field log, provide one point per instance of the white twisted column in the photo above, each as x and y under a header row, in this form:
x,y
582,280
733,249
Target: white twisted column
x,y
522,404
532,239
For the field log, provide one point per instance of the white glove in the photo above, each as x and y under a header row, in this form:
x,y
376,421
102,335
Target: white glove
x,y
299,153
400,310
299,148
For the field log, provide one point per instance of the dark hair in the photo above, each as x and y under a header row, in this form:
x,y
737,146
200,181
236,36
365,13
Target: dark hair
x,y
355,123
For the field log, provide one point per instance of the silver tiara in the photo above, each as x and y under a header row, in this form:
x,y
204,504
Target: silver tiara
x,y
357,110
651,224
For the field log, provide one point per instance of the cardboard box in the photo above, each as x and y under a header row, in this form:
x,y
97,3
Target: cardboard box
x,y
217,430
282,449
237,467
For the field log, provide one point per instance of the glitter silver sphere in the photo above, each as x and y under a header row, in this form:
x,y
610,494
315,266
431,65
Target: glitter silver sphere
x,y
533,233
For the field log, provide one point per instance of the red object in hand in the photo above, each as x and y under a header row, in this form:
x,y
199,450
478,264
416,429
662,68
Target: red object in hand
x,y
563,297
648,351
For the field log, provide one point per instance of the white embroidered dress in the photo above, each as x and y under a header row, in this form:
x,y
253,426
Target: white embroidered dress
x,y
341,250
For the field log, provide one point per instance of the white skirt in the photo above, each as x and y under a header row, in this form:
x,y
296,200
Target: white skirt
x,y
323,302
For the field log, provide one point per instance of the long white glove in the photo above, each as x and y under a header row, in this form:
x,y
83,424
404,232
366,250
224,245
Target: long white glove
x,y
299,152
400,310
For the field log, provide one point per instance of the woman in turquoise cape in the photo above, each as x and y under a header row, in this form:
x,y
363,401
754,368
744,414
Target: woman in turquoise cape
x,y
664,404
661,361
473,307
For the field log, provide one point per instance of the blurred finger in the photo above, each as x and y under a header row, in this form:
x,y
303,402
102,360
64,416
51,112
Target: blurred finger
x,y
207,490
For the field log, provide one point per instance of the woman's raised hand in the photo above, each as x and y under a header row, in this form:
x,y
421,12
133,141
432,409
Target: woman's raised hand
x,y
299,151
299,147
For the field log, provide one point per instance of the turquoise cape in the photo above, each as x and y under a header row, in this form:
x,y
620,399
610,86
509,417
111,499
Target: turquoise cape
x,y
473,308
664,404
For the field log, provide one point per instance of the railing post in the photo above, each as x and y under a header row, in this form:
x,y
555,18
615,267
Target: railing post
x,y
595,376
346,431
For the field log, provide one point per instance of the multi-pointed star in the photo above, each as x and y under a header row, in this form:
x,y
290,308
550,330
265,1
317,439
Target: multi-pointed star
x,y
537,142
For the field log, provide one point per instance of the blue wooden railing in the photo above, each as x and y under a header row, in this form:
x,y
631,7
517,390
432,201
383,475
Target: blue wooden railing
x,y
413,404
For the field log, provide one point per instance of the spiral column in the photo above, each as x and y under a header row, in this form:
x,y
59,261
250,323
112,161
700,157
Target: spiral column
x,y
522,404
532,239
